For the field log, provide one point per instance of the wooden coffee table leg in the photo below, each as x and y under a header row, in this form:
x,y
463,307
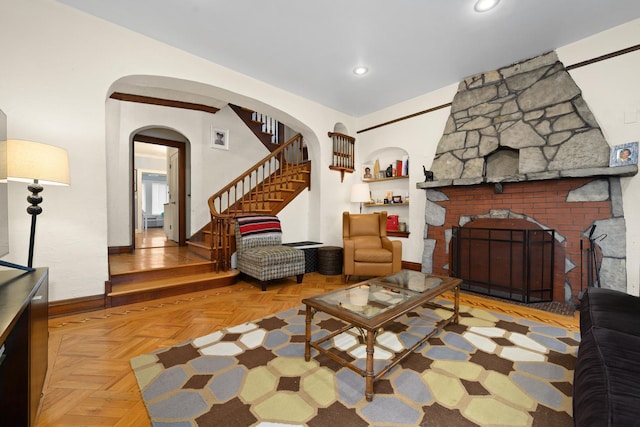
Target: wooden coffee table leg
x,y
369,367
307,335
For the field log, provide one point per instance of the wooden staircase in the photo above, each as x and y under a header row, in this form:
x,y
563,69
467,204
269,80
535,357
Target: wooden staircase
x,y
267,187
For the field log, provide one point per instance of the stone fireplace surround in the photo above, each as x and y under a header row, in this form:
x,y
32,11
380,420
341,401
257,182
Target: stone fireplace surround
x,y
521,142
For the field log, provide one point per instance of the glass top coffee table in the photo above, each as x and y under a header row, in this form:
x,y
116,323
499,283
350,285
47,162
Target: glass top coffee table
x,y
370,305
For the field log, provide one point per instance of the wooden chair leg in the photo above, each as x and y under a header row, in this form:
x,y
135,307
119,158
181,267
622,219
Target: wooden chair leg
x,y
346,278
299,278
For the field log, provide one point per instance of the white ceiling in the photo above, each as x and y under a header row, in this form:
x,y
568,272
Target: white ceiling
x,y
410,46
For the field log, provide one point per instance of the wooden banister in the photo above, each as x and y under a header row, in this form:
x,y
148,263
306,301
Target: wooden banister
x,y
270,179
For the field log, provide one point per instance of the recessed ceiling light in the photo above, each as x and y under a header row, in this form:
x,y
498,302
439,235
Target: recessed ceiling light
x,y
484,5
359,71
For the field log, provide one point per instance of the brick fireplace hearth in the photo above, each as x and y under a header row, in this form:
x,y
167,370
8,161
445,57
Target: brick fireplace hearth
x,y
568,206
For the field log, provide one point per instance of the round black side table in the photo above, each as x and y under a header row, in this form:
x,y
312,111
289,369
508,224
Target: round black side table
x,y
330,260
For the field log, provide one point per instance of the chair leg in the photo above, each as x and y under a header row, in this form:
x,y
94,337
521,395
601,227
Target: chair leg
x,y
263,283
299,278
346,278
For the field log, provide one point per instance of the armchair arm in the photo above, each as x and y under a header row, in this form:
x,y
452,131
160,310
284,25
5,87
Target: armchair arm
x,y
349,256
395,247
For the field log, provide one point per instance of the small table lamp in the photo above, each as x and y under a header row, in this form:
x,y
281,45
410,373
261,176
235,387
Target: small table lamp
x,y
38,164
360,193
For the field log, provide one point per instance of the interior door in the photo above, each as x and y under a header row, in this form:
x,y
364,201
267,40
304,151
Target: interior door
x,y
172,216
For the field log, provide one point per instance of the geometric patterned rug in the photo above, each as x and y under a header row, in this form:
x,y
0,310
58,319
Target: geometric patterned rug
x,y
489,370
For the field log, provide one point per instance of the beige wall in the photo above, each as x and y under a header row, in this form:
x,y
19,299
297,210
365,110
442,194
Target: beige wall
x,y
58,67
63,63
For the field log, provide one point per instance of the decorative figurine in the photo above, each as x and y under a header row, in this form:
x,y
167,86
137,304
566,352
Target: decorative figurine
x,y
428,175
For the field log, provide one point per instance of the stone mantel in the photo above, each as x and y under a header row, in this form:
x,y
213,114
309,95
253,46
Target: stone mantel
x,y
538,176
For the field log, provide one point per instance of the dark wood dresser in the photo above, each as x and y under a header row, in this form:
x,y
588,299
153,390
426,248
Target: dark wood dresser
x,y
24,299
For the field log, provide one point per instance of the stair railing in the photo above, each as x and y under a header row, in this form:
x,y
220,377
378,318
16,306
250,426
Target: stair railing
x,y
251,192
269,125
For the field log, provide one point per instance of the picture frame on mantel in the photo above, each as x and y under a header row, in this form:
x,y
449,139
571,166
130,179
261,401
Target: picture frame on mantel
x,y
220,138
624,154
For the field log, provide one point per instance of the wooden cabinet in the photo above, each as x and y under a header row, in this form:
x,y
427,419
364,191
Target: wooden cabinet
x,y
23,344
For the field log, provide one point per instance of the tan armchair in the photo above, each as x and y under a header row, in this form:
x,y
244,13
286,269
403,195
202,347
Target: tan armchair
x,y
367,249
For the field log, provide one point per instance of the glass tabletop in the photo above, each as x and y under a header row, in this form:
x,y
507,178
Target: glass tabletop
x,y
376,296
368,299
412,280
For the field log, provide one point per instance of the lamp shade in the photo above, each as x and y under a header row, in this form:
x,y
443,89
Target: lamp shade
x,y
360,193
28,161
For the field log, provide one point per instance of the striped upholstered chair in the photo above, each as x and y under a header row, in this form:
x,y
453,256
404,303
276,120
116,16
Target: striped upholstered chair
x,y
260,251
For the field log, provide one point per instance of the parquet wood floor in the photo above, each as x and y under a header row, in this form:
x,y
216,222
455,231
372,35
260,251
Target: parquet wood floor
x,y
90,382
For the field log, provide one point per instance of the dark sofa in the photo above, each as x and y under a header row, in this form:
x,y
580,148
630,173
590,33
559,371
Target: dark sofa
x,y
606,384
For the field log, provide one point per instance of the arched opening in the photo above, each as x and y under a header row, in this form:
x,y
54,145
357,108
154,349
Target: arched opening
x,y
206,170
159,195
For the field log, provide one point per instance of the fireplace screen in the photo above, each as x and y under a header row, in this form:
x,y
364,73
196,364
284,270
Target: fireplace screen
x,y
513,264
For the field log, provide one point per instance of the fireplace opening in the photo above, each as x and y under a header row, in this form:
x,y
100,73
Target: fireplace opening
x,y
510,263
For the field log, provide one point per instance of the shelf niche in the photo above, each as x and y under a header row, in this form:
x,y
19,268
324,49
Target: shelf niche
x,y
389,156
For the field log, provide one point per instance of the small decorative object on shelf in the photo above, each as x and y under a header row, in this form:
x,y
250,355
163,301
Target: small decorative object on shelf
x,y
428,175
367,172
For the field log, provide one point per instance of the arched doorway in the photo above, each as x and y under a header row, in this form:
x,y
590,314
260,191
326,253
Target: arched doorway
x,y
159,189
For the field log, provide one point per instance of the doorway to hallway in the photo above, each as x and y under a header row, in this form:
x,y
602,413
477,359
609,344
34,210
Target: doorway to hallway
x,y
158,188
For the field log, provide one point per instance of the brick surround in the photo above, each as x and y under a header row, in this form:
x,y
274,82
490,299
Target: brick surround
x,y
542,202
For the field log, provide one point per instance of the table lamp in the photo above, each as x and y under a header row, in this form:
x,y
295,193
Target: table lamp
x,y
37,164
360,193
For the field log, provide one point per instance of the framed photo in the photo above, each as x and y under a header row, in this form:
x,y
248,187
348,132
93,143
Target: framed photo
x,y
367,171
624,154
397,199
220,138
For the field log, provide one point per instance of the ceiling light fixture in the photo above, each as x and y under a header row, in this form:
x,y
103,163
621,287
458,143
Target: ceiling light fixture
x,y
484,5
359,71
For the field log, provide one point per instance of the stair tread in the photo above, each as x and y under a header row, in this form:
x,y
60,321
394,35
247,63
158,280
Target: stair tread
x,y
149,270
197,244
146,285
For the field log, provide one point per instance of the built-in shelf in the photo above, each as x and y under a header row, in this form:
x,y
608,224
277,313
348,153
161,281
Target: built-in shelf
x,y
398,233
385,179
388,187
386,204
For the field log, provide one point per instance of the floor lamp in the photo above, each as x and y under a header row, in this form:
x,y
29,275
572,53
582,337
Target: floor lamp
x,y
37,164
360,193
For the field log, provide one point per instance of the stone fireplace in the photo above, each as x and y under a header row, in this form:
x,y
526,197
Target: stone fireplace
x,y
521,144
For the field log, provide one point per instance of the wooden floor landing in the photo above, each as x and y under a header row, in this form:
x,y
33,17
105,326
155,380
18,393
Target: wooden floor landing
x,y
159,268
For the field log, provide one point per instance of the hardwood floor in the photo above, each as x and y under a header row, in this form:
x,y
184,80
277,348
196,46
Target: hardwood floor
x,y
90,381
153,238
